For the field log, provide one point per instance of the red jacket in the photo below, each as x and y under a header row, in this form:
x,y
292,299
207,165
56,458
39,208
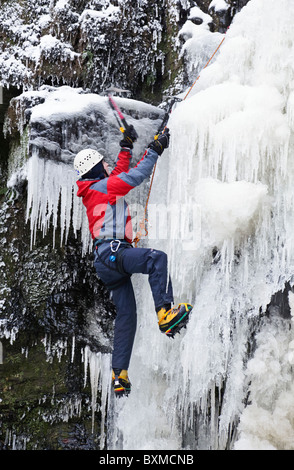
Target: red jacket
x,y
107,210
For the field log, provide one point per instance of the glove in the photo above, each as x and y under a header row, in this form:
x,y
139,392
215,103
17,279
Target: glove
x,y
129,137
160,142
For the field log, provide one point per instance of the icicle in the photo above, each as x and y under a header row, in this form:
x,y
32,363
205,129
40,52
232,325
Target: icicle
x,y
100,379
73,348
51,200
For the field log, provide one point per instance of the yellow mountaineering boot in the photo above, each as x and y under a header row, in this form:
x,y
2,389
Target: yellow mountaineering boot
x,y
120,382
171,321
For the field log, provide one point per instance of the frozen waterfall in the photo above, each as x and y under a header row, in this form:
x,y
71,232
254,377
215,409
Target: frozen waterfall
x,y
230,156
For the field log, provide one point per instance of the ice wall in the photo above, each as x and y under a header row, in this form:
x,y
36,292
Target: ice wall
x,y
227,184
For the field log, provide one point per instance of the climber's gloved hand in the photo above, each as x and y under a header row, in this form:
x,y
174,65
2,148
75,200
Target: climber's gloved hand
x,y
129,137
160,142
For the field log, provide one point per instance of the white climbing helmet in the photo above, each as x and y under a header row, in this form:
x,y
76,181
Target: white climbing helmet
x,y
85,160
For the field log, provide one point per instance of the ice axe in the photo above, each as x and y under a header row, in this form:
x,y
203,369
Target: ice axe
x,y
162,126
122,122
123,125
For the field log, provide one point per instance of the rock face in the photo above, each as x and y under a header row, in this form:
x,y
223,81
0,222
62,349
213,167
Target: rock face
x,y
53,307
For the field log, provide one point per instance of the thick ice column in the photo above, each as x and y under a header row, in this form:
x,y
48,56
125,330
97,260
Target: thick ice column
x,y
99,366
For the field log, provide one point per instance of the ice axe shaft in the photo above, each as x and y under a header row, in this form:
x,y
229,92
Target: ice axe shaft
x,y
121,118
118,111
166,116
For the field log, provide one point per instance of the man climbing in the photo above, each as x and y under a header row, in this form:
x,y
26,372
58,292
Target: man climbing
x,y
115,259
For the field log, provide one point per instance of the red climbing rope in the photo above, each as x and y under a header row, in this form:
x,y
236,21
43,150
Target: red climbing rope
x,y
144,220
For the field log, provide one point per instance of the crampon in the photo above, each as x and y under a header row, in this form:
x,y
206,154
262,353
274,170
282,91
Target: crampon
x,y
175,319
121,384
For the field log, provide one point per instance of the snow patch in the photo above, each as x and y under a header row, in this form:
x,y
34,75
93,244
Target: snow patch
x,y
219,5
228,209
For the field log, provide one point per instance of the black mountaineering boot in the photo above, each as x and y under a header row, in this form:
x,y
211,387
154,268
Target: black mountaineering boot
x,y
120,382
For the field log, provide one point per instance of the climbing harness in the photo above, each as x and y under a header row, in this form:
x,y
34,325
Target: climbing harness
x,y
114,259
142,225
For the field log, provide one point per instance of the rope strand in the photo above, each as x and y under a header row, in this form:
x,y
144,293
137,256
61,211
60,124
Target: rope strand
x,y
145,220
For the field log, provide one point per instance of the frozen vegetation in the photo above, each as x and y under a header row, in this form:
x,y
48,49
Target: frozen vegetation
x,y
67,42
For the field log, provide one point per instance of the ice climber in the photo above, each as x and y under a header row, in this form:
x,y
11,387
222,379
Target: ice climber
x,y
115,259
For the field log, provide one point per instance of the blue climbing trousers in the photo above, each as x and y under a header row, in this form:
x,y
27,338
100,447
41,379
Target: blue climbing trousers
x,y
115,262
